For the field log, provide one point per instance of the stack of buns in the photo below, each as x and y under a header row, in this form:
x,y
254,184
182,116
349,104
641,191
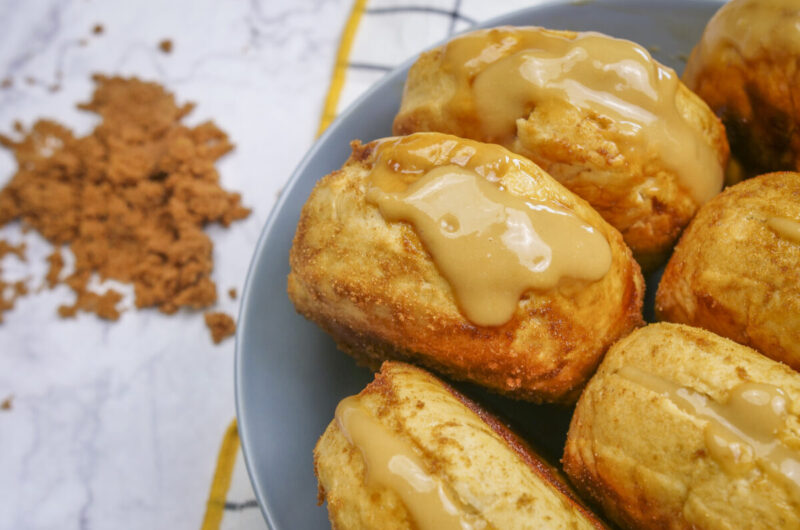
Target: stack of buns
x,y
498,239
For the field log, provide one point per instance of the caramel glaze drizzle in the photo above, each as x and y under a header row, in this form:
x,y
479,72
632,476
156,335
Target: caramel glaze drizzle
x,y
502,74
489,244
741,433
392,463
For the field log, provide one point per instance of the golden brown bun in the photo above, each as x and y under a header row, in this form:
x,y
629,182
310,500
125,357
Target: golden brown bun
x,y
733,275
645,460
646,203
494,474
372,285
755,94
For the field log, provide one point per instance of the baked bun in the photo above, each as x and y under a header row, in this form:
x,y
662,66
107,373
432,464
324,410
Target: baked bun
x,y
736,269
598,113
745,68
408,440
508,280
681,428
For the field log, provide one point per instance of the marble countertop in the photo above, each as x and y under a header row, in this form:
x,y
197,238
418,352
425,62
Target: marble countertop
x,y
118,424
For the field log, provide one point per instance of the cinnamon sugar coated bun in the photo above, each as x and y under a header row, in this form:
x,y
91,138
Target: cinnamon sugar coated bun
x,y
598,113
409,452
745,68
736,269
683,429
467,259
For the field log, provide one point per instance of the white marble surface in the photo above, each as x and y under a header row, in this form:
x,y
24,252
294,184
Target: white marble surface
x,y
117,425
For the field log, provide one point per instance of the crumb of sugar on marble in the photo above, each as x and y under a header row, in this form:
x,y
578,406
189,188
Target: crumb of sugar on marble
x,y
56,261
232,293
129,201
7,403
11,291
8,248
165,46
221,326
98,29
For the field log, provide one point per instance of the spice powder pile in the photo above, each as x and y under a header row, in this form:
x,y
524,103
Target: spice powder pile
x,y
10,291
130,200
220,325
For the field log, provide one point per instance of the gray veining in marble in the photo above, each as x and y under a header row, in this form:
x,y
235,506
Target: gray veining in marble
x,y
117,425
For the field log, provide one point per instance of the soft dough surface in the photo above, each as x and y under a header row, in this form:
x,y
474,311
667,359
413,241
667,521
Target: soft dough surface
x,y
645,460
733,275
644,201
372,285
494,475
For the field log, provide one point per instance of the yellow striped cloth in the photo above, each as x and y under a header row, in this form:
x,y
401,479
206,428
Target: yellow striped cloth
x,y
378,35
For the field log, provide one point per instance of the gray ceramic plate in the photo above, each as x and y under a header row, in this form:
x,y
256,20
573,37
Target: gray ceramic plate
x,y
289,374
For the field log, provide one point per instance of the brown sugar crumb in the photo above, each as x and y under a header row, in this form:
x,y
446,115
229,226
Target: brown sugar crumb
x,y
130,200
7,403
232,293
56,261
103,305
6,83
221,326
98,29
7,248
165,46
20,289
10,291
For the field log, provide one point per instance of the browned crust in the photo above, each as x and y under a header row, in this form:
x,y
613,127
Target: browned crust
x,y
728,268
321,495
603,420
370,350
607,494
382,384
603,486
549,360
757,102
532,459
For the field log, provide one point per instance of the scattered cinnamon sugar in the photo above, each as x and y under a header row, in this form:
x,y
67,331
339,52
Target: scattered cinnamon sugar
x,y
221,326
165,46
8,248
232,293
56,261
98,29
10,291
6,404
130,200
103,305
